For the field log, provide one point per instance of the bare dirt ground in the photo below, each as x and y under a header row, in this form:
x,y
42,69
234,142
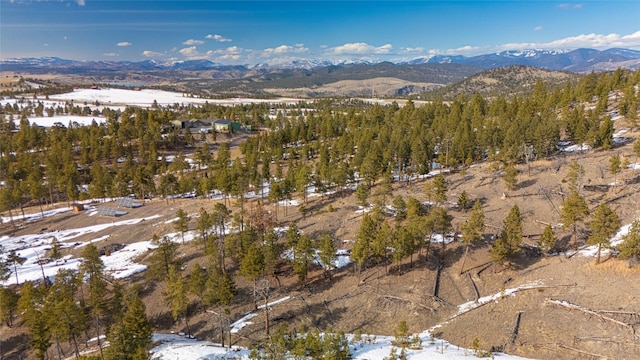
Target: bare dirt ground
x,y
374,302
381,86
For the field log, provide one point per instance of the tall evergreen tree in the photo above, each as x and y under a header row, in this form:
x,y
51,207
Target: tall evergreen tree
x,y
92,268
176,296
130,337
508,243
436,190
197,282
8,304
303,256
472,229
14,259
630,245
163,258
362,247
574,210
327,252
252,267
547,241
604,224
182,223
510,177
615,168
574,175
441,222
30,305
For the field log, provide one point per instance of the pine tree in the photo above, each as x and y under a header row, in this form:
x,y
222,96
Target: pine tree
x,y
401,208
176,296
574,176
327,252
381,243
30,305
508,243
414,208
182,223
513,228
362,247
441,222
547,241
163,258
131,335
197,282
510,177
92,267
604,224
463,201
8,304
65,317
272,251
574,210
5,269
220,289
302,257
401,334
219,217
362,194
403,244
472,229
252,267
203,225
14,259
500,250
615,167
436,190
630,246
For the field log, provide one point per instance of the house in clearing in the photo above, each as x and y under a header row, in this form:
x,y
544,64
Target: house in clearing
x,y
226,126
207,125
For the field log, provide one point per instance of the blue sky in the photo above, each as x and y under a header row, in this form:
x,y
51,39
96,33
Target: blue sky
x,y
250,32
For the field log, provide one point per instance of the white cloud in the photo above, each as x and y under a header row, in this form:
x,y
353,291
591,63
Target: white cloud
x,y
231,50
218,38
111,54
409,50
193,42
284,49
192,53
228,57
594,41
80,2
149,53
538,28
124,43
360,49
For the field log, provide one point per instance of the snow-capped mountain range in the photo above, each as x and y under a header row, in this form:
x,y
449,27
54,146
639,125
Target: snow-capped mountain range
x,y
579,60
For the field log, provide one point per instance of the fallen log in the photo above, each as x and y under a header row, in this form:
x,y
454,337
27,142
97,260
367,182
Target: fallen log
x,y
475,288
583,352
409,301
514,333
570,306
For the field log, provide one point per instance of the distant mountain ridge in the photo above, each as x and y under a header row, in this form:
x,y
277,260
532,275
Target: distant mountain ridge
x,y
579,60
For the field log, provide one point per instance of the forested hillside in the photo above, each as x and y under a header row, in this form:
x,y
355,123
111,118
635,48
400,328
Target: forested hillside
x,y
340,147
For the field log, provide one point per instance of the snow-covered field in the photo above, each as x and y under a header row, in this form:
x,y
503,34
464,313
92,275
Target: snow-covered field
x,y
118,99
